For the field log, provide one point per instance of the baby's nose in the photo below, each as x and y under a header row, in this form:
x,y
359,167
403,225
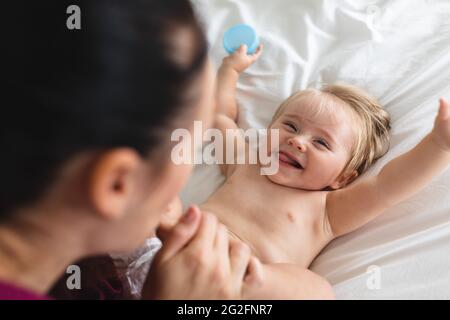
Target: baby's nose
x,y
298,144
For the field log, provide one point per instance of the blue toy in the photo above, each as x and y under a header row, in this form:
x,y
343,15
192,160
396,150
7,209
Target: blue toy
x,y
238,35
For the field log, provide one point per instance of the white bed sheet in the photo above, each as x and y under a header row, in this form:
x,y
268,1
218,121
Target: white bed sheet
x,y
400,52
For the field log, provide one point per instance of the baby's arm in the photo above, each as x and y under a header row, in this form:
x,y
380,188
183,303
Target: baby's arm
x,y
227,77
350,208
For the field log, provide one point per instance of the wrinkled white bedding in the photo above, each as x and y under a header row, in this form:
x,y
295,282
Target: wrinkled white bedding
x,y
400,52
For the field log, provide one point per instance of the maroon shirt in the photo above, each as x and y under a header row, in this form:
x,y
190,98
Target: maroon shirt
x,y
99,281
11,292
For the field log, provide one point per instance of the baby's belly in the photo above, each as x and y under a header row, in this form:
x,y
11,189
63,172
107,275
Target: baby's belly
x,y
268,246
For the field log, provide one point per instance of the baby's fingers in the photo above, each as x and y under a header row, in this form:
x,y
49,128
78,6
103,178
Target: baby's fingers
x,y
242,50
444,109
255,56
258,51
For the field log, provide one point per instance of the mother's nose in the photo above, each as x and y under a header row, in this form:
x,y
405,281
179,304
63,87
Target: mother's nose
x,y
298,144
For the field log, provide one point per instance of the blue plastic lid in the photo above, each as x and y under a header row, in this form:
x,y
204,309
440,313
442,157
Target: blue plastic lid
x,y
238,35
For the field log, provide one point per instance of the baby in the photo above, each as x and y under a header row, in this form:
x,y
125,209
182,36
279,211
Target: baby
x,y
327,138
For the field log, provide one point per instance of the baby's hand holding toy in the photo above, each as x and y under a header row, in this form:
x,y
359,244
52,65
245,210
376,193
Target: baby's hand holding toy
x,y
240,60
242,43
441,130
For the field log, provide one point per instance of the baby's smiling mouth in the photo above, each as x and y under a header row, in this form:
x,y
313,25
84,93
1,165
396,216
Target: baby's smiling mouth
x,y
289,160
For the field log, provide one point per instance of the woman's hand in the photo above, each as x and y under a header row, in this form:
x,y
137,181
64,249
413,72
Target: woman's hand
x,y
171,216
441,130
197,261
240,60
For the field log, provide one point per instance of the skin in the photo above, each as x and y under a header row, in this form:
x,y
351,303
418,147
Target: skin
x,y
310,207
322,156
110,202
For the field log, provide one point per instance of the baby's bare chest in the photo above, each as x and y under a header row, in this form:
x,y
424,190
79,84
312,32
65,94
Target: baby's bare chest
x,y
282,224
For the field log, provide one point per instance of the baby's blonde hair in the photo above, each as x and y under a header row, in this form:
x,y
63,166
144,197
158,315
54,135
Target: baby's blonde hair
x,y
372,136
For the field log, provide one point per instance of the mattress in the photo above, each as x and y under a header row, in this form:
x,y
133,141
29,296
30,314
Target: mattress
x,y
399,51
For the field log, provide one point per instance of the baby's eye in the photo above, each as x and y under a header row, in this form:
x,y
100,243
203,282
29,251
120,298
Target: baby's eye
x,y
290,125
323,143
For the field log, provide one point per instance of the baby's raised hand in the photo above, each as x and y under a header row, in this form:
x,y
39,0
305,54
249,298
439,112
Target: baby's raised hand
x,y
441,130
240,60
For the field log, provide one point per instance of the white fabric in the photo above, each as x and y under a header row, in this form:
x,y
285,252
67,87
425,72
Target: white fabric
x,y
400,52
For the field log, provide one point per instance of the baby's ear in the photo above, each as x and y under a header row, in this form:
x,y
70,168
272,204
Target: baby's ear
x,y
344,180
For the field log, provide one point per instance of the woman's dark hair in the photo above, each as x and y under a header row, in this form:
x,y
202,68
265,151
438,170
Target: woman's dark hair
x,y
112,83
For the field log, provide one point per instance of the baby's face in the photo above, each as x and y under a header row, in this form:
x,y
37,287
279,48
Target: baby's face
x,y
314,147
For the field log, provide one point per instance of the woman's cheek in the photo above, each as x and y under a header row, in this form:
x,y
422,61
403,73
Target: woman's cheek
x,y
184,171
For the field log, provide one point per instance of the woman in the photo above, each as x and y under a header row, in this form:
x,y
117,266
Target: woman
x,y
85,146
